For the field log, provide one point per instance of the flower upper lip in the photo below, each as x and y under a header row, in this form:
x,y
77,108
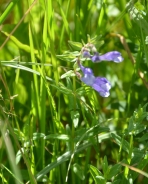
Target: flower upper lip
x,y
109,56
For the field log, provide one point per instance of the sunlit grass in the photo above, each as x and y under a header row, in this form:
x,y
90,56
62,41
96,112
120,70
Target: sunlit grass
x,y
55,129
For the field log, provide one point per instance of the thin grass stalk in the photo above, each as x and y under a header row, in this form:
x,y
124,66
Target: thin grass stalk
x,y
34,67
17,25
126,171
76,20
55,71
42,84
26,160
101,15
32,128
51,40
144,45
126,19
63,28
7,11
56,125
35,90
56,121
25,157
10,151
87,161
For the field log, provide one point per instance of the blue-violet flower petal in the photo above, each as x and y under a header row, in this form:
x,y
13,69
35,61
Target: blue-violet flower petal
x,y
100,84
109,56
88,77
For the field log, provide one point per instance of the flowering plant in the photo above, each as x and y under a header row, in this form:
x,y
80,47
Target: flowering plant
x,y
100,84
89,52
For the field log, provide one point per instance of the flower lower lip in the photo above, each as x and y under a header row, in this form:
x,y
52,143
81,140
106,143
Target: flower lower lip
x,y
100,84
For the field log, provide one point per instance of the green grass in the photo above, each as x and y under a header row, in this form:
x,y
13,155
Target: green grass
x,y
55,129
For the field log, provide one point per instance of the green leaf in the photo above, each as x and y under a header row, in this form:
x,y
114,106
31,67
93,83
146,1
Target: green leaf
x,y
68,56
75,45
146,40
135,122
138,155
139,6
97,175
114,171
61,159
62,89
120,142
118,181
66,23
144,137
141,165
77,169
57,136
138,16
96,41
105,165
72,102
19,156
75,117
135,127
38,135
14,65
70,73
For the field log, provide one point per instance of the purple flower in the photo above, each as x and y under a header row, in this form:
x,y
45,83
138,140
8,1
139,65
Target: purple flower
x,y
110,56
100,84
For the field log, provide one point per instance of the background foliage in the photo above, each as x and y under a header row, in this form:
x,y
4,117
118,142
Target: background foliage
x,y
55,129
